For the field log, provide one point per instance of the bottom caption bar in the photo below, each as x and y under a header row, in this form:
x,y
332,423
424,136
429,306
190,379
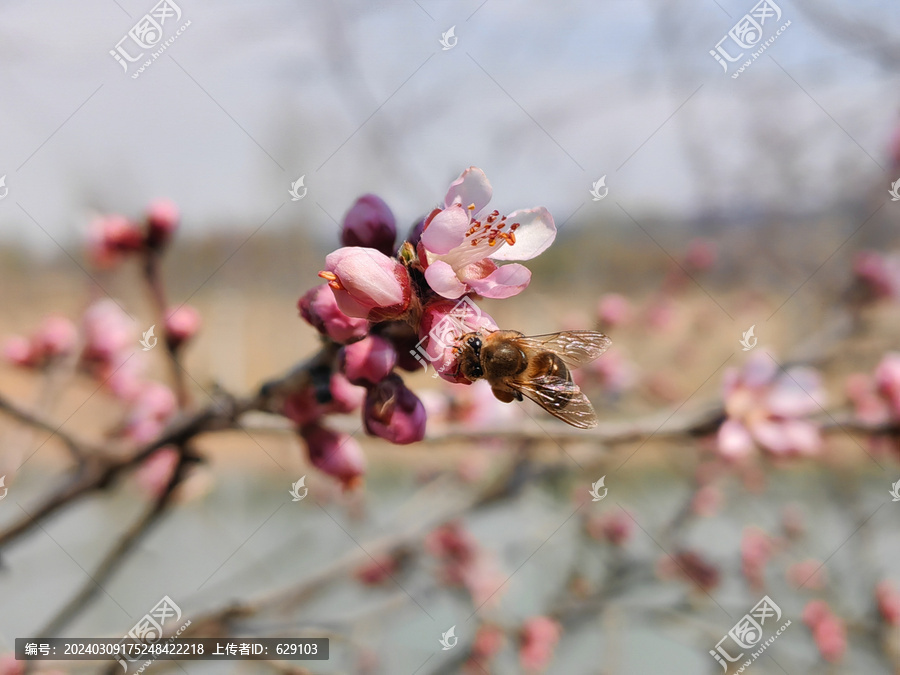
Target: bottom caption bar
x,y
187,649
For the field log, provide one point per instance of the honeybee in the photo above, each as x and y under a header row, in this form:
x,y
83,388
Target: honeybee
x,y
537,367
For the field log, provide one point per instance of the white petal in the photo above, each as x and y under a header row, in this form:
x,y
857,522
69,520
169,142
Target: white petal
x,y
472,187
535,233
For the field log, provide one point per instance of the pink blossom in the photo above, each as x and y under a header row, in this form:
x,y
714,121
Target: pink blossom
x,y
17,350
111,238
878,274
155,472
887,381
807,574
487,643
756,550
56,336
888,599
152,409
182,323
613,310
453,542
335,453
107,331
461,243
443,323
615,373
828,630
876,399
302,407
701,255
10,666
367,284
370,223
767,408
319,308
538,639
163,219
378,570
692,567
393,412
464,563
368,361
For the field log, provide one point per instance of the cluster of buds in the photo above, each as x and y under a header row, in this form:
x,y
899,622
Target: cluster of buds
x,y
389,307
55,339
114,237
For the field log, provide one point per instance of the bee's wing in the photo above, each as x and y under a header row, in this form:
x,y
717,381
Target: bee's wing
x,y
574,347
560,397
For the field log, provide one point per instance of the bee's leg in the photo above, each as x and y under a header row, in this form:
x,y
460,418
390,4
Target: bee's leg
x,y
505,395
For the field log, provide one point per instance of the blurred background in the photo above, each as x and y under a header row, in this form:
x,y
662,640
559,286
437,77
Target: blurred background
x,y
732,202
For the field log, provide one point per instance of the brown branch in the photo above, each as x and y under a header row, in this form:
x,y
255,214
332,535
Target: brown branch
x,y
76,445
153,276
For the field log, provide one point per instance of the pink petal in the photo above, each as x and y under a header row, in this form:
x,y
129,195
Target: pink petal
x,y
535,233
504,282
446,231
443,280
734,440
472,187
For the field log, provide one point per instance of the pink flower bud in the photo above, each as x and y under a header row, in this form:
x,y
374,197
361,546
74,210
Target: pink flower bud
x,y
368,361
756,549
18,352
613,310
539,636
335,453
319,308
379,569
828,630
153,407
706,501
56,336
887,380
807,574
367,284
108,330
394,413
162,221
487,643
112,237
888,599
303,408
615,527
155,472
182,323
370,223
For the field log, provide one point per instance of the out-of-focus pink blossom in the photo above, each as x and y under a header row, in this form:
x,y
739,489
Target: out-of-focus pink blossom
x,y
613,310
767,408
462,241
756,550
155,472
370,223
888,599
701,255
828,630
378,570
661,314
10,666
793,522
367,284
464,563
443,323
150,411
878,274
17,351
319,308
451,541
107,331
887,381
335,453
487,643
614,373
876,399
56,336
163,218
707,501
615,527
538,639
302,407
808,574
393,412
111,238
368,361
182,323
